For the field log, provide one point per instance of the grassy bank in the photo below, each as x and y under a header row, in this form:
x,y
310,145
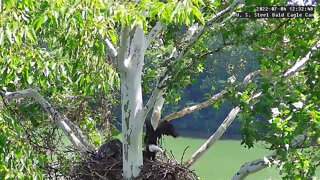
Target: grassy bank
x,y
223,160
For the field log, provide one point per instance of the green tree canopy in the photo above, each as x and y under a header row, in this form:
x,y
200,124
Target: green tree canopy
x,y
78,54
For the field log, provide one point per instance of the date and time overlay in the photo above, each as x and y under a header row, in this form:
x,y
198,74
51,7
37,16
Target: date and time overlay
x,y
279,12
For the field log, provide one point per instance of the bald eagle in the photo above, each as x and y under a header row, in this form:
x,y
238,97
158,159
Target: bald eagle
x,y
152,138
111,148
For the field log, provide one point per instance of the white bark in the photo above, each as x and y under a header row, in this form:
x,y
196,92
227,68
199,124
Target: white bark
x,y
131,60
112,52
300,63
153,33
266,161
156,115
63,122
152,100
159,90
214,137
194,108
254,166
124,46
222,128
257,164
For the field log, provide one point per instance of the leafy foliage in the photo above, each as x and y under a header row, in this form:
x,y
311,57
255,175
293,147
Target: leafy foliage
x,y
43,48
17,160
58,47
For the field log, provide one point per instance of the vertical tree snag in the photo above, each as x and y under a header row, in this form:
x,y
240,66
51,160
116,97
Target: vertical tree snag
x,y
131,60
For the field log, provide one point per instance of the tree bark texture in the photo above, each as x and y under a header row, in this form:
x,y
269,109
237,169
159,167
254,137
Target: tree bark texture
x,y
131,102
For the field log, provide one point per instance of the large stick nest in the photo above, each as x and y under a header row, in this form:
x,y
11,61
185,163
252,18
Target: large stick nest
x,y
164,168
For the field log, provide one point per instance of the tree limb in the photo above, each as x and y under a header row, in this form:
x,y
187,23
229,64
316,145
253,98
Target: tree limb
x,y
197,31
153,33
301,62
194,108
151,102
159,90
111,50
156,115
208,102
214,137
254,166
218,133
78,133
266,161
63,122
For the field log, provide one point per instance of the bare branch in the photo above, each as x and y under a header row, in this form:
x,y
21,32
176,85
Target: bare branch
x,y
63,122
257,164
254,166
153,33
158,91
151,102
110,48
249,76
208,102
199,30
261,163
78,133
156,115
301,62
216,135
194,108
223,127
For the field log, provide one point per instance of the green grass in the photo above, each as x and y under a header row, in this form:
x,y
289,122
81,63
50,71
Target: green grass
x,y
222,160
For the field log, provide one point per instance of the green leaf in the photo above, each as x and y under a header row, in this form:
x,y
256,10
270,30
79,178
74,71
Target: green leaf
x,y
1,37
112,36
196,2
167,13
20,175
31,34
88,79
9,175
198,14
216,3
202,3
42,19
9,35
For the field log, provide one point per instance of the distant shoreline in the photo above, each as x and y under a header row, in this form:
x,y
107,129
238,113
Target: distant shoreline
x,y
206,135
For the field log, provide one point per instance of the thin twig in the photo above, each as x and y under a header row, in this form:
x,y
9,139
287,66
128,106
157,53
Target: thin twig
x,y
184,151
